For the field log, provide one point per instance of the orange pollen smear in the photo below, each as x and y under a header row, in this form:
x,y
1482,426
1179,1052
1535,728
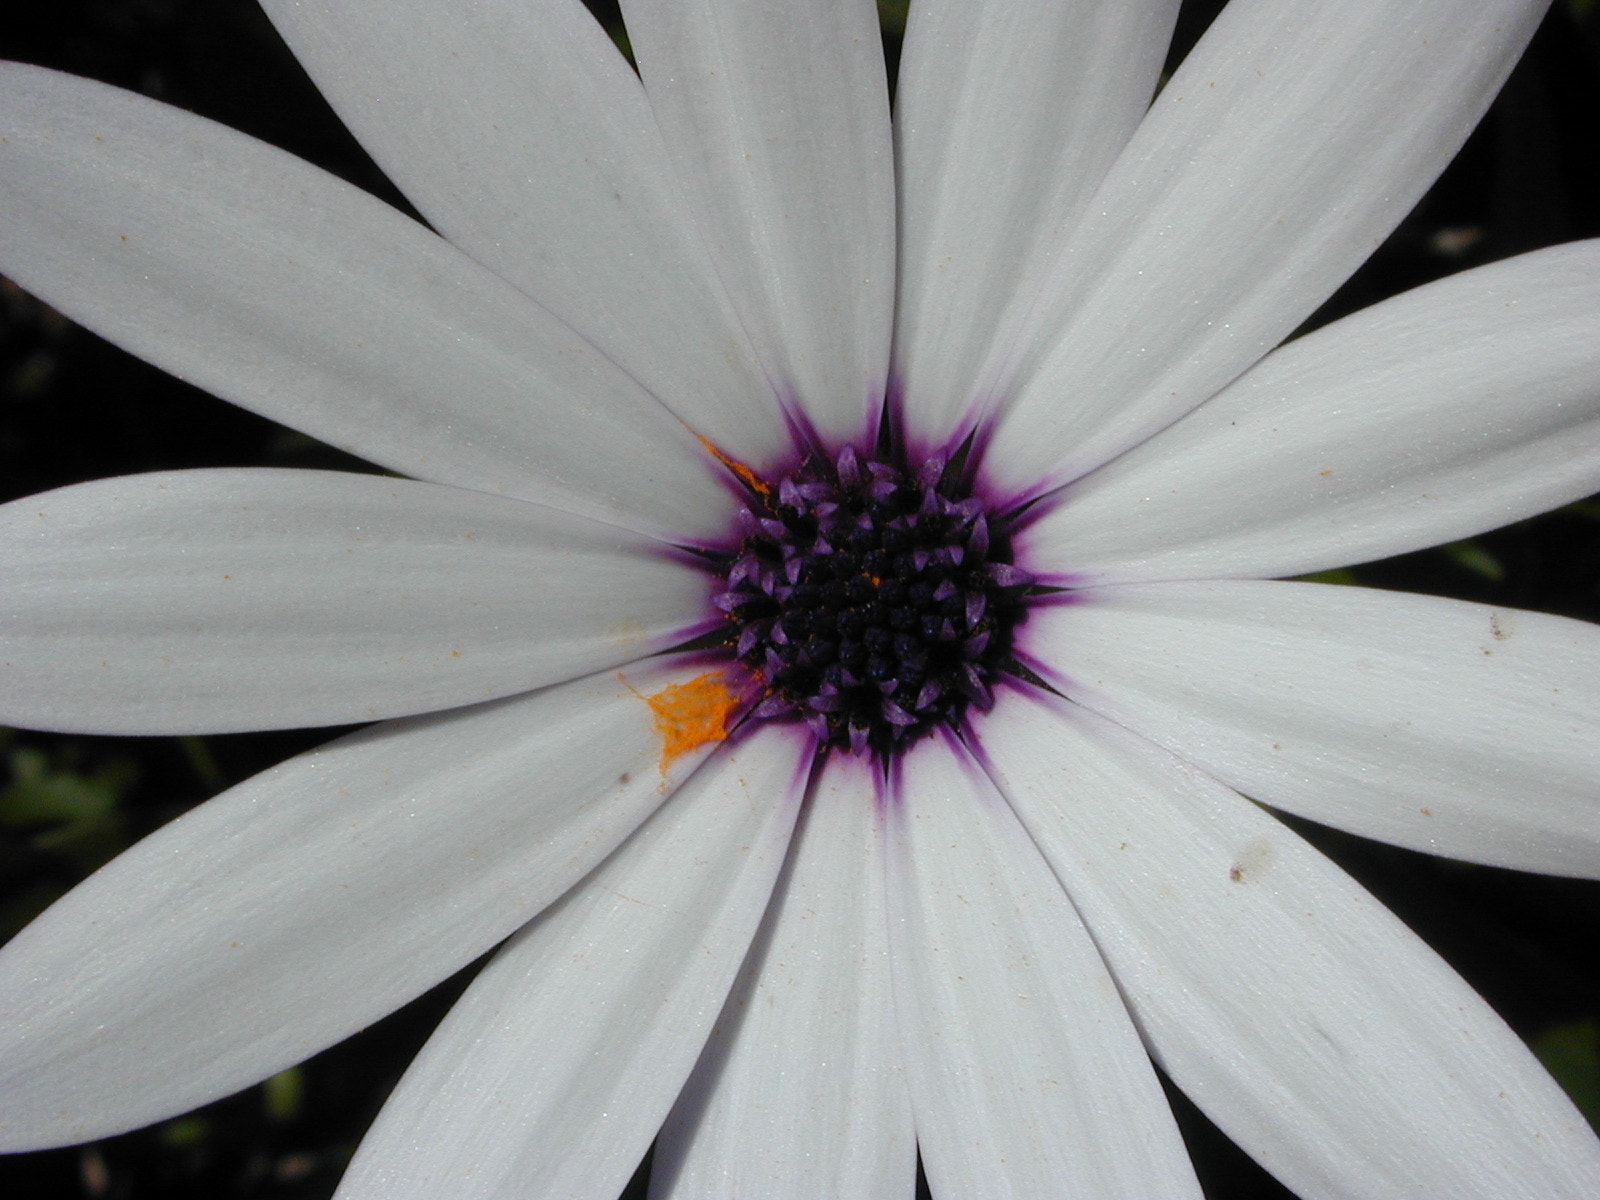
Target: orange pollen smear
x,y
751,480
688,715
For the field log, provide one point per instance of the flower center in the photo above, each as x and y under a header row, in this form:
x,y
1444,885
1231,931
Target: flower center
x,y
876,601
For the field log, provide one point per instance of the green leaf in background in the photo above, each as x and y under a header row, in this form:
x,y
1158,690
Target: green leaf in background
x,y
283,1094
62,803
1340,575
56,804
1471,556
1572,1054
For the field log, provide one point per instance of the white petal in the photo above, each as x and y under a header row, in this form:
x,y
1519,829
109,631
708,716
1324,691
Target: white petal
x,y
1307,1022
274,285
777,116
799,1091
307,902
1006,119
222,600
1291,141
553,1072
520,133
1027,1078
1454,728
1454,408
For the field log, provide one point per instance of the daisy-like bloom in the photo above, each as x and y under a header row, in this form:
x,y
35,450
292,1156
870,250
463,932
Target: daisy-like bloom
x,y
827,633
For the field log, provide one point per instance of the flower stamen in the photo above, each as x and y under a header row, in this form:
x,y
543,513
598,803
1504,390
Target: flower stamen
x,y
875,600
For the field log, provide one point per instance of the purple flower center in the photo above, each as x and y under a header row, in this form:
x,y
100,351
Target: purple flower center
x,y
875,600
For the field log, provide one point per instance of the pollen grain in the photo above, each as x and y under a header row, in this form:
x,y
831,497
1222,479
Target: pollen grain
x,y
747,476
688,715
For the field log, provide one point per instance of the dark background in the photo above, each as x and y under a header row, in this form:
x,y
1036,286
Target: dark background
x,y
74,408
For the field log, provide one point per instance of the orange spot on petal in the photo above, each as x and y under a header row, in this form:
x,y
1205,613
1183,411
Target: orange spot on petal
x,y
751,480
688,715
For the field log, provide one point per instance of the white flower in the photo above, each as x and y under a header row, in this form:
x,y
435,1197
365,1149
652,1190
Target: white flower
x,y
802,968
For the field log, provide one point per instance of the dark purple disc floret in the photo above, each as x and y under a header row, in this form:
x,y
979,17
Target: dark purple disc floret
x,y
875,600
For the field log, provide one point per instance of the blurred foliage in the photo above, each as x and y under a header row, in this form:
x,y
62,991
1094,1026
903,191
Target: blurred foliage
x,y
1340,575
892,16
1572,1054
74,408
1471,556
283,1095
59,820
